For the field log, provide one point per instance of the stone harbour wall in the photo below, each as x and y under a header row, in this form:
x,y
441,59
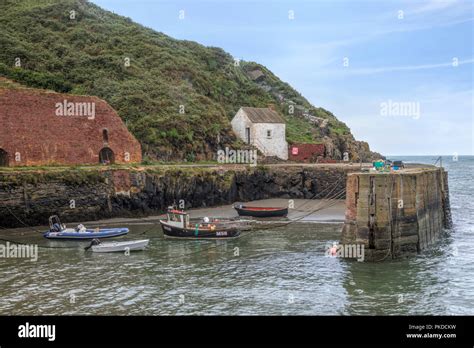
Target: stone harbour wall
x,y
396,214
91,194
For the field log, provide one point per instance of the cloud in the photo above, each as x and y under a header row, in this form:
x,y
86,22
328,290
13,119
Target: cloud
x,y
370,71
445,125
434,5
432,14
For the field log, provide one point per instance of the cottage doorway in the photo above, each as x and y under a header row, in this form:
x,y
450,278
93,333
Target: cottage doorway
x,y
247,134
106,156
3,158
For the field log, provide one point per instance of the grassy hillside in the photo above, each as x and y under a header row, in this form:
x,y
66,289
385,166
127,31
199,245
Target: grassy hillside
x,y
177,97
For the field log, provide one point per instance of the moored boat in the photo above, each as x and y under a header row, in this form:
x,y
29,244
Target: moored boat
x,y
178,225
109,247
260,211
57,230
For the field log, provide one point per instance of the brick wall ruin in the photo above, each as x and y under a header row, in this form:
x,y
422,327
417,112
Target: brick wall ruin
x,y
36,129
305,152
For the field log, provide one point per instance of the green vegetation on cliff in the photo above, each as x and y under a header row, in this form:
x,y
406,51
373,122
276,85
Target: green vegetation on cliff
x,y
177,97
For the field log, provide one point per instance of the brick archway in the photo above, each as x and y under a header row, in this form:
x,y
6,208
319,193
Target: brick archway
x,y
106,156
3,158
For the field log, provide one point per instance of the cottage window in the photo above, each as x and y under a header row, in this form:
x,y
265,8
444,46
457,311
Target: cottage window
x,y
269,133
105,135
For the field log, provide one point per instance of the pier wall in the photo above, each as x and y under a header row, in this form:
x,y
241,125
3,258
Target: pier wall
x,y
30,197
396,214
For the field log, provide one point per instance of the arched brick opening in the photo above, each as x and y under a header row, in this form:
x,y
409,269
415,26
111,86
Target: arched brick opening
x,y
3,158
106,156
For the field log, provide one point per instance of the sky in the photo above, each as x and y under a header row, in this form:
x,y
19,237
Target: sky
x,y
399,73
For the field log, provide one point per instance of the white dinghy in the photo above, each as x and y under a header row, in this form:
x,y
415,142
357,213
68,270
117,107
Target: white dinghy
x,y
109,247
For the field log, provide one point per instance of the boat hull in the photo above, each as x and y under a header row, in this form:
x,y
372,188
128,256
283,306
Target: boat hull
x,y
110,247
88,234
218,233
255,212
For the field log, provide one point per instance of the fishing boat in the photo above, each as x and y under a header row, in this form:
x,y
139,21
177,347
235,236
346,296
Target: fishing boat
x,y
177,225
109,247
260,211
57,230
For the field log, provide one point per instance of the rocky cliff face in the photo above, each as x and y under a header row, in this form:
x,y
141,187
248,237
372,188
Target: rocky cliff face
x,y
89,195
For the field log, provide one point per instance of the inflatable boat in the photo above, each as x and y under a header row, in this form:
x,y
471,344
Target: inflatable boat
x,y
70,233
57,230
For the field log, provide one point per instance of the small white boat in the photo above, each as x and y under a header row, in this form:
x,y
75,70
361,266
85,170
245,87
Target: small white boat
x,y
110,247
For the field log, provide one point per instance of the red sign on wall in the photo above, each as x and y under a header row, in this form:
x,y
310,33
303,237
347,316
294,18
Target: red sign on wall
x,y
305,152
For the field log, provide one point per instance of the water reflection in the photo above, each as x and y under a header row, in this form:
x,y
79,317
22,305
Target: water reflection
x,y
281,271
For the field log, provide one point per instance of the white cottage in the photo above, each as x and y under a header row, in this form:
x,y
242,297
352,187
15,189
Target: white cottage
x,y
263,128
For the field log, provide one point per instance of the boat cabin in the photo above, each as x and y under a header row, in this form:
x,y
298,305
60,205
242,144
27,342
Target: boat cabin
x,y
55,224
177,218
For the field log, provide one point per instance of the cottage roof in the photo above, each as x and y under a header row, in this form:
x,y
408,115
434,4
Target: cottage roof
x,y
263,115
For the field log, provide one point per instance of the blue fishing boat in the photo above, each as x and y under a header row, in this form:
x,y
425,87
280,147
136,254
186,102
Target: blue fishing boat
x,y
57,230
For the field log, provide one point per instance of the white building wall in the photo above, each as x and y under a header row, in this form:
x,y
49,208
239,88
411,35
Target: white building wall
x,y
239,123
276,145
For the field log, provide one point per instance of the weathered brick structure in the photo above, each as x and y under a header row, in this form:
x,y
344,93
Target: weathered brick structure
x,y
305,152
45,128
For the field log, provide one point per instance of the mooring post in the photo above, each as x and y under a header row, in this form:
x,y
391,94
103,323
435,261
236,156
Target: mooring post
x,y
25,198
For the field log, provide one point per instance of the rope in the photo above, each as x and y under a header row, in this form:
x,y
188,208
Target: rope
x,y
336,196
19,220
243,235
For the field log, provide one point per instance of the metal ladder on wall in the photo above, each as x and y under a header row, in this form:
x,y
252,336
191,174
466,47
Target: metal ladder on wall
x,y
448,219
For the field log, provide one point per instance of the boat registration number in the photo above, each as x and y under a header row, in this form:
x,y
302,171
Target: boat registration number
x,y
222,233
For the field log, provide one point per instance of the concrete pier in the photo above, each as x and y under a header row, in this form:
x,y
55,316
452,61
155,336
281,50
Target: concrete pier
x,y
396,214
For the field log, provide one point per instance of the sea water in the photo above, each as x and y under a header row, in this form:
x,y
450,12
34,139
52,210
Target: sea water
x,y
275,271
